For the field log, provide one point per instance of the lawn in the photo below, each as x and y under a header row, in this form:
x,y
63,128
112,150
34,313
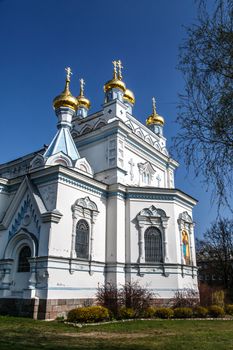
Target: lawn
x,y
19,333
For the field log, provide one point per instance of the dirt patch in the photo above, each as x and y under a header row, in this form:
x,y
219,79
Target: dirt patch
x,y
107,335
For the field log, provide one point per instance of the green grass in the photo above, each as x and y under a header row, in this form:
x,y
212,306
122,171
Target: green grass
x,y
22,334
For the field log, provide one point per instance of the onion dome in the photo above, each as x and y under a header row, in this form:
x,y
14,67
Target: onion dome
x,y
66,99
82,101
116,82
154,118
129,96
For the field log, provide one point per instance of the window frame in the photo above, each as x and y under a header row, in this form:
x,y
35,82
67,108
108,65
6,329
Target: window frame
x,y
83,242
153,245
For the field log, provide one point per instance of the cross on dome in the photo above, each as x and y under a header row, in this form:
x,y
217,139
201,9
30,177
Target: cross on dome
x,y
69,73
82,83
119,64
114,69
153,105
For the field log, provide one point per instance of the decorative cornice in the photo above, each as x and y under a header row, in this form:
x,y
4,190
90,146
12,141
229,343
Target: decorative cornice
x,y
52,216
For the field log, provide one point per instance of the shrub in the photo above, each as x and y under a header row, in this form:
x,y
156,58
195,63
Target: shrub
x,y
132,295
150,312
218,297
88,314
216,311
126,312
229,309
200,311
108,296
164,312
185,298
183,312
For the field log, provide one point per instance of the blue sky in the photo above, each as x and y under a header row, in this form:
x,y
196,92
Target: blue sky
x,y
40,38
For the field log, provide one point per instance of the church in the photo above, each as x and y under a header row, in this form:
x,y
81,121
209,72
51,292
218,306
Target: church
x,y
97,206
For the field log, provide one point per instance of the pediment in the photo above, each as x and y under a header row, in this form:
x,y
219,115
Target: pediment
x,y
59,158
37,161
25,209
85,203
83,165
185,217
152,211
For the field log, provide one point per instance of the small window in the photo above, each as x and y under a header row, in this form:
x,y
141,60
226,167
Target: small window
x,y
82,239
24,265
153,245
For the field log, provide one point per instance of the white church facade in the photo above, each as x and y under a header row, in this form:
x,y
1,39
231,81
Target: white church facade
x,y
98,205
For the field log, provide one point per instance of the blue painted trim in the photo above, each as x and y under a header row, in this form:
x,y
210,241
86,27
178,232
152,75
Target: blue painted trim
x,y
167,197
69,288
69,180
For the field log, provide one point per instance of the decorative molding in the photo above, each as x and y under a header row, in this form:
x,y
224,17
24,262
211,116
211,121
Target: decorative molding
x,y
37,162
152,211
185,217
83,165
25,215
53,216
83,208
155,217
85,203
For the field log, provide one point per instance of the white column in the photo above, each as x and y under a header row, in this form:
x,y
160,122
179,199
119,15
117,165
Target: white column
x,y
141,244
75,219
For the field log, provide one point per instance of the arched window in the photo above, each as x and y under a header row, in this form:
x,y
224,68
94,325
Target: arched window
x,y
153,245
82,239
23,264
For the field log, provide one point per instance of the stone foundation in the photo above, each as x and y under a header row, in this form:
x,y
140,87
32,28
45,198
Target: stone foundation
x,y
41,309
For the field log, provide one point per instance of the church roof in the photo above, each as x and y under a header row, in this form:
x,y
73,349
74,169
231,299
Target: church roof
x,y
63,142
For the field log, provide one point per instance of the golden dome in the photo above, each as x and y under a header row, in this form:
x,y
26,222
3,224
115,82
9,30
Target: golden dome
x,y
65,99
82,101
116,82
154,118
129,96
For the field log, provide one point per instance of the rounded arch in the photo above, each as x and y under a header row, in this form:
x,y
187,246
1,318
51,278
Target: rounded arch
x,y
153,245
23,263
82,239
18,241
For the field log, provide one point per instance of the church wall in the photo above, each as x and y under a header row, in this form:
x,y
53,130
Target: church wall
x,y
134,177
77,283
135,207
60,240
94,153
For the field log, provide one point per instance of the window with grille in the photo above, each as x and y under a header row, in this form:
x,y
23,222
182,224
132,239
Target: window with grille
x,y
23,264
82,239
153,245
